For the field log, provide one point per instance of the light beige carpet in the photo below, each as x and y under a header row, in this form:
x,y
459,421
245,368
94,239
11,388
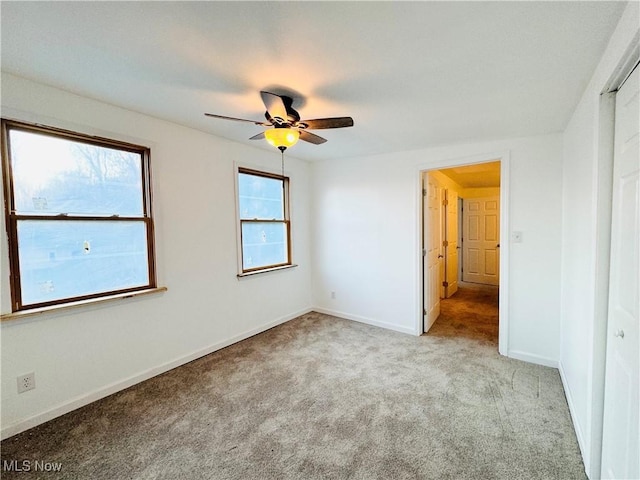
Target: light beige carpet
x,y
325,398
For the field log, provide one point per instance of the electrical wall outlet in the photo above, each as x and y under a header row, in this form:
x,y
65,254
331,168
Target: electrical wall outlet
x,y
26,382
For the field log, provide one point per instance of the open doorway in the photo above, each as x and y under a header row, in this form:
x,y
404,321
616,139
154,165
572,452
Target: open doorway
x,y
461,250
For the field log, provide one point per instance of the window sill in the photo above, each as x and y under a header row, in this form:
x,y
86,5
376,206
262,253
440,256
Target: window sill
x,y
266,270
72,305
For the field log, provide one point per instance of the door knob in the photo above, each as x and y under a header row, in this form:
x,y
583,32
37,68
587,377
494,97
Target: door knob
x,y
619,333
498,246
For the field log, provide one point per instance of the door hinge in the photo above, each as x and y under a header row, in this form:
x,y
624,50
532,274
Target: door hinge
x,y
424,192
424,252
424,312
445,243
445,284
445,202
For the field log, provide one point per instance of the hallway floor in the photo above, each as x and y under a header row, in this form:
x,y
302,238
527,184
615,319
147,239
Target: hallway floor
x,y
472,312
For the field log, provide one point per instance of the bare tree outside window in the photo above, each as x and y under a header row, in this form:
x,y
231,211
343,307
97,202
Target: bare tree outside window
x,y
79,218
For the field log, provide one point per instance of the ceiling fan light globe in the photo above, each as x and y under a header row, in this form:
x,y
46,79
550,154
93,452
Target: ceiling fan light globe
x,y
282,137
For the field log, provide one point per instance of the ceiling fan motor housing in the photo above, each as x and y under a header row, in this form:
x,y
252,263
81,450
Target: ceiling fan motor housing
x,y
285,121
293,116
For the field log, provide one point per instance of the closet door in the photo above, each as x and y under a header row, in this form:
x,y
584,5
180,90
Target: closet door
x,y
620,443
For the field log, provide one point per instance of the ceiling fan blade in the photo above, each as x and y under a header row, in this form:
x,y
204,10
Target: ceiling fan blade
x,y
337,122
311,137
255,122
275,105
259,136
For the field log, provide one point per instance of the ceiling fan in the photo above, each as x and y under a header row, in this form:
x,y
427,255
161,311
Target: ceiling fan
x,y
286,125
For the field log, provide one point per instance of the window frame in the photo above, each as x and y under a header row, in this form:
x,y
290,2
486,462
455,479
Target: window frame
x,y
12,218
286,221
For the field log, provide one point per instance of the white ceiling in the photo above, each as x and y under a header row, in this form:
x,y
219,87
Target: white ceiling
x,y
411,74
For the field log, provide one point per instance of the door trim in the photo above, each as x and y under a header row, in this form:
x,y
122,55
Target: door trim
x,y
504,158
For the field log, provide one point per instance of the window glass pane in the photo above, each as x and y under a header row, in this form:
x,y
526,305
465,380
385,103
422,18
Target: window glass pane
x,y
260,197
53,175
63,259
263,244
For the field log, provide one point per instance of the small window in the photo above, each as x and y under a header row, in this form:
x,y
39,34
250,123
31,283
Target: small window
x,y
78,216
265,229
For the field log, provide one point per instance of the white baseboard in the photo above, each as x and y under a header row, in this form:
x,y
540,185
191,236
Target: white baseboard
x,y
85,399
531,358
586,459
368,321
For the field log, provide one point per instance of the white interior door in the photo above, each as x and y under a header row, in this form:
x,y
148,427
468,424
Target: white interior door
x,y
620,442
481,237
432,250
451,249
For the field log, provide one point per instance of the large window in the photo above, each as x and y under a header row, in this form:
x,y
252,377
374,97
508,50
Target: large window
x,y
78,216
265,230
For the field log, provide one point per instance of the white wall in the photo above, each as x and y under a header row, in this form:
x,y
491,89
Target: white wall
x,y
585,250
366,239
83,354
